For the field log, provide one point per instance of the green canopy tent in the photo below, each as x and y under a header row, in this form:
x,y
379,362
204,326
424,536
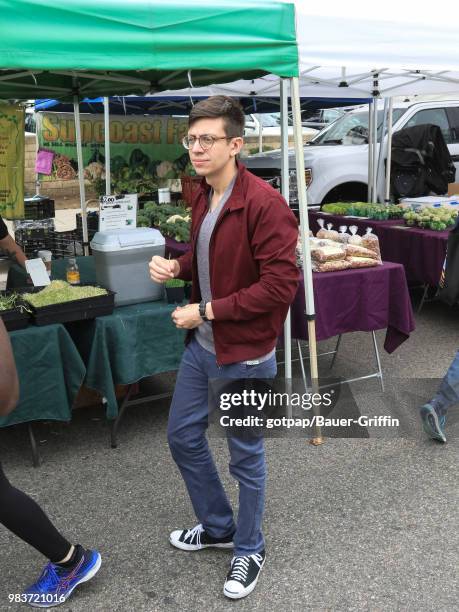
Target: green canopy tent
x,y
83,48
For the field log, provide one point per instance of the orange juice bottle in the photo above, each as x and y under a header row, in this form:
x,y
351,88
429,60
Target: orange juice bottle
x,y
73,272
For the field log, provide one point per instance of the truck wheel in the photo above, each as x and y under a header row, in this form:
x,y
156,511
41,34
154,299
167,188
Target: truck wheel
x,y
347,192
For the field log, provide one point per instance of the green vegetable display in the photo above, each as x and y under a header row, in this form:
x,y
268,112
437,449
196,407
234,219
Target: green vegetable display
x,y
437,219
11,301
59,291
172,220
378,212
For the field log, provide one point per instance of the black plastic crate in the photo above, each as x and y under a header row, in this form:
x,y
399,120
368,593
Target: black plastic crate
x,y
15,318
66,244
92,219
76,310
38,208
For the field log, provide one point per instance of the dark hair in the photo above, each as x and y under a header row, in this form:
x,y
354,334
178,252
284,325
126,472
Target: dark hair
x,y
225,107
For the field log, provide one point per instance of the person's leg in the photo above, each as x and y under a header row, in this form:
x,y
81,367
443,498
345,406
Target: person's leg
x,y
433,413
68,565
23,516
188,421
448,391
248,467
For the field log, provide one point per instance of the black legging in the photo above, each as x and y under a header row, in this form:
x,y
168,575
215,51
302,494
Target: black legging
x,y
24,517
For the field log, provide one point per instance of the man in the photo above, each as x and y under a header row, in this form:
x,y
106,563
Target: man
x,y
244,277
69,565
433,414
8,245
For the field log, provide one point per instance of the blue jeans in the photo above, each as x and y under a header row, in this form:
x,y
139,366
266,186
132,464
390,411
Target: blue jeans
x,y
188,421
448,391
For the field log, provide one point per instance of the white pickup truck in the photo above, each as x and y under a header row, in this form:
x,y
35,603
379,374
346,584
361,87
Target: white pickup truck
x,y
336,160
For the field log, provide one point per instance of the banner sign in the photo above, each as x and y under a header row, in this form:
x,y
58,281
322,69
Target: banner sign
x,y
11,161
118,212
141,148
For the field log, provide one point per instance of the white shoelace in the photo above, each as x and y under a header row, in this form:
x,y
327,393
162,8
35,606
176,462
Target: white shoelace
x,y
194,533
240,566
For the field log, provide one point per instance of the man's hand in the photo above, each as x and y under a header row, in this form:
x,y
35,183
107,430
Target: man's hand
x,y
161,269
187,317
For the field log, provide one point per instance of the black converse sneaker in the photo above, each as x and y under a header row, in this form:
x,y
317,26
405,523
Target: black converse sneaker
x,y
197,539
243,575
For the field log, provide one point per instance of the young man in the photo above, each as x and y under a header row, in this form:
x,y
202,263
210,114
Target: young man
x,y
244,277
69,565
9,246
433,414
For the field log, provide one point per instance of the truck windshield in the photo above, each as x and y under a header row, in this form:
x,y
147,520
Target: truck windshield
x,y
352,128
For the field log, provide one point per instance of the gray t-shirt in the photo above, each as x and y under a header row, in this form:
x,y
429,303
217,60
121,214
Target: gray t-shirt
x,y
203,333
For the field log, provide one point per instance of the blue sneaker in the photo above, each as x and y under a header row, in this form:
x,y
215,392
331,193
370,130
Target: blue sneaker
x,y
56,584
433,423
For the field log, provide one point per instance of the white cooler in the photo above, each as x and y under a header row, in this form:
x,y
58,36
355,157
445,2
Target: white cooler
x,y
121,259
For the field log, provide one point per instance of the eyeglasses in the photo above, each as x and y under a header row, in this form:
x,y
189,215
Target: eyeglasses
x,y
206,141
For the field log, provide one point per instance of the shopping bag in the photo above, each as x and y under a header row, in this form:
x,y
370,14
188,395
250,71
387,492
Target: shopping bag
x,y
448,289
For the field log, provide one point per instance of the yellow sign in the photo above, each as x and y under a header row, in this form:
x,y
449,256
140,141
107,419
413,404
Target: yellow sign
x,y
11,161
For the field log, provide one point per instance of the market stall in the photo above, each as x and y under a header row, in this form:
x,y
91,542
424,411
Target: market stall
x,y
420,250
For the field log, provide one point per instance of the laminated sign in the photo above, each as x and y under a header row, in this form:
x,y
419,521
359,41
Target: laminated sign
x,y
11,161
118,212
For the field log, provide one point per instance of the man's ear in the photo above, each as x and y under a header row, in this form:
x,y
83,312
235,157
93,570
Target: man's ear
x,y
236,145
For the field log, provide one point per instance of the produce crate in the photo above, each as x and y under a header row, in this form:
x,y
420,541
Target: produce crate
x,y
14,318
38,208
67,244
93,222
76,310
32,236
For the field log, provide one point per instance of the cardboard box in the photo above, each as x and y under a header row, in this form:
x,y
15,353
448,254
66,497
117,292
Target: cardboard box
x,y
453,189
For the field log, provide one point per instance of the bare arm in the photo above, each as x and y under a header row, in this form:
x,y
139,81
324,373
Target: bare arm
x,y
13,250
9,384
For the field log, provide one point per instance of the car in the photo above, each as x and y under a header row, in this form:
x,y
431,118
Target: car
x,y
322,117
270,125
336,159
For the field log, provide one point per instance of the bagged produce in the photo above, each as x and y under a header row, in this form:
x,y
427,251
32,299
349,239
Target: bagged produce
x,y
321,233
331,234
353,250
361,262
343,236
330,266
328,253
370,241
354,238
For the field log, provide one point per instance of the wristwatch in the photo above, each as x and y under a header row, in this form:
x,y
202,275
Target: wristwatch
x,y
202,310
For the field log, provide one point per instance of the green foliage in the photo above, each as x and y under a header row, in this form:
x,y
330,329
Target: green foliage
x,y
164,217
11,301
174,283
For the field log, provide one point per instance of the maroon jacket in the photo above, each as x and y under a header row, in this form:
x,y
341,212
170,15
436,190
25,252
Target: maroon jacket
x,y
253,274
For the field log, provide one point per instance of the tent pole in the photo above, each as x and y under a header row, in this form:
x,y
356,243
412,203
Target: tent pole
x,y
107,146
84,219
370,151
285,193
260,136
389,151
304,232
380,168
375,150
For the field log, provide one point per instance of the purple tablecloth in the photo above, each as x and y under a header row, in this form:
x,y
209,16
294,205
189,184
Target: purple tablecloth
x,y
364,299
421,252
